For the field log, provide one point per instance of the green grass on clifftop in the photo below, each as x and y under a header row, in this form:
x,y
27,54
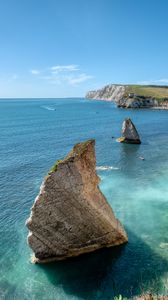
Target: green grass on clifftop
x,y
157,92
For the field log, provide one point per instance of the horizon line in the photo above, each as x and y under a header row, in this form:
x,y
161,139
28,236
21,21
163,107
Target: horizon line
x,y
23,98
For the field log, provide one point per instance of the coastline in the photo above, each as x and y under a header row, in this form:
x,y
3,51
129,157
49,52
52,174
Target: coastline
x,y
133,96
118,106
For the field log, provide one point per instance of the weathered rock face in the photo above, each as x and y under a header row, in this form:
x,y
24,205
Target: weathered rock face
x,y
111,92
70,215
129,133
138,102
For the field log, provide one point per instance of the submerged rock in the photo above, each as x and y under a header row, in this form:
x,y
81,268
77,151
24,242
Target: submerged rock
x,y
129,133
70,216
163,245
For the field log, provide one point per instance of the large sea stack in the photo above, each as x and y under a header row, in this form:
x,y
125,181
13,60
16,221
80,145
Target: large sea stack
x,y
70,216
129,133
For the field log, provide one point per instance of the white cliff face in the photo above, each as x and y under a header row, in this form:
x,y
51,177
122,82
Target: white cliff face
x,y
110,92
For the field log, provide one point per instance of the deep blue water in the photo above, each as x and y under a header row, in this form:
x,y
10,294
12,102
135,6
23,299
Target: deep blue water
x,y
35,133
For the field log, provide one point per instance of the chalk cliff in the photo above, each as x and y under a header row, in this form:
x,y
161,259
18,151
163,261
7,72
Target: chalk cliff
x,y
71,216
111,92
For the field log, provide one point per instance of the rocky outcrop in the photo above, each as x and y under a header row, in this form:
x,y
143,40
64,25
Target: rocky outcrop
x,y
70,215
129,133
111,92
138,101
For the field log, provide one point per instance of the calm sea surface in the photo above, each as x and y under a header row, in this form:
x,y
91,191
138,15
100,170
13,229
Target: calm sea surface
x,y
33,135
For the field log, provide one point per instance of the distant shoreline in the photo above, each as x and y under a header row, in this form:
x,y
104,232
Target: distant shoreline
x,y
133,96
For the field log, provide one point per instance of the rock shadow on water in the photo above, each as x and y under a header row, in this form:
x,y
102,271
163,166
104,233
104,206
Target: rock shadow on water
x,y
128,270
129,156
83,276
130,151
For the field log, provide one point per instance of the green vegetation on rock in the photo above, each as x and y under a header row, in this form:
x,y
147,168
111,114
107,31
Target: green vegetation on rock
x,y
78,149
55,166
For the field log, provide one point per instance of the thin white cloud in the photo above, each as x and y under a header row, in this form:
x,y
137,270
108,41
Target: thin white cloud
x,y
79,79
15,76
62,74
12,78
157,81
67,79
165,80
35,72
66,68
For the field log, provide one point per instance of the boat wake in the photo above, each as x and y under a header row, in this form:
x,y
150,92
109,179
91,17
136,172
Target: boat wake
x,y
48,108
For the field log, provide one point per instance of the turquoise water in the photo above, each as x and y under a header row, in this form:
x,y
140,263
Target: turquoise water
x,y
33,134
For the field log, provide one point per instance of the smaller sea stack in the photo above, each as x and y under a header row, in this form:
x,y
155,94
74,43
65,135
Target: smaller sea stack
x,y
129,133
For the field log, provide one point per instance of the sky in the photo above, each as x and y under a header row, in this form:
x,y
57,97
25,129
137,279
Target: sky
x,y
64,48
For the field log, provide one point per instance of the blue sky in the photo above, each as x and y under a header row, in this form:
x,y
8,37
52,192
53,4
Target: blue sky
x,y
63,48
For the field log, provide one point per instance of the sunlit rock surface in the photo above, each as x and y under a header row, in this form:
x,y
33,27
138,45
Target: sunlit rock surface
x,y
71,216
129,133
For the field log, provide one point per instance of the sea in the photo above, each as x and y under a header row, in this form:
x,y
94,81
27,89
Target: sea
x,y
34,133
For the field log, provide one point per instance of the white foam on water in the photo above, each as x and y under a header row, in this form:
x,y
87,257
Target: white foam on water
x,y
106,168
